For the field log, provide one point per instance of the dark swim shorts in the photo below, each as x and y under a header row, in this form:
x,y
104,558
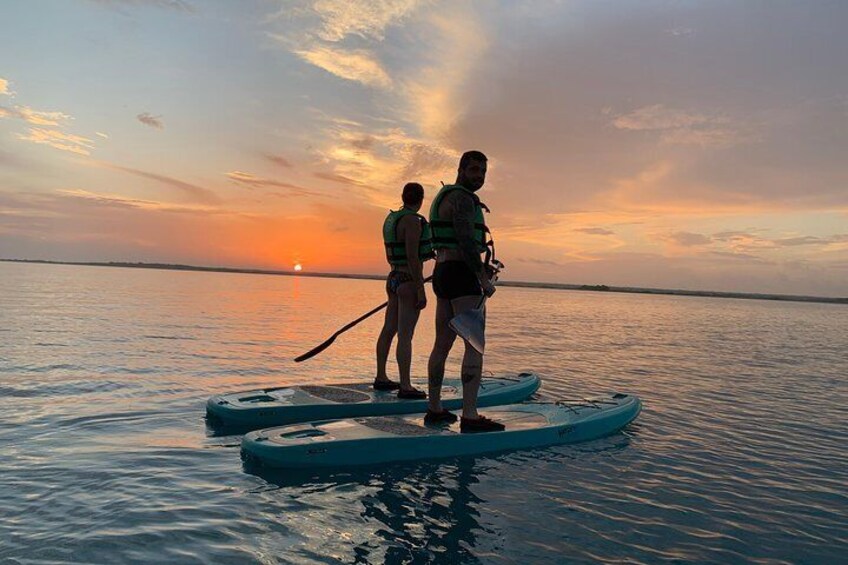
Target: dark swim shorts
x,y
453,279
395,279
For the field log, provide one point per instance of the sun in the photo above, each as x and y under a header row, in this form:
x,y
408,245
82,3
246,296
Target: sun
x,y
298,267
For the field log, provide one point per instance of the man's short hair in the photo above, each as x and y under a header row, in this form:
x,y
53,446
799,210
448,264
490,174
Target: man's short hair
x,y
413,193
469,156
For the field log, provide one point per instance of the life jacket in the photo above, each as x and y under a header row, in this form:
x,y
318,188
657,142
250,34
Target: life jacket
x,y
395,248
444,236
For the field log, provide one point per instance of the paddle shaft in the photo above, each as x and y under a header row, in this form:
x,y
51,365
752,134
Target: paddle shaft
x,y
316,350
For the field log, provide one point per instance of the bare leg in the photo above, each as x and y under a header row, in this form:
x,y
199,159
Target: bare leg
x,y
384,342
445,337
472,362
406,320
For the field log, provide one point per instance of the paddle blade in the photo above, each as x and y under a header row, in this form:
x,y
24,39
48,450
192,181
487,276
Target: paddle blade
x,y
471,326
315,351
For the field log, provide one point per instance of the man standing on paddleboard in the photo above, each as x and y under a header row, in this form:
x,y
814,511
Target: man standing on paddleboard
x,y
406,236
460,280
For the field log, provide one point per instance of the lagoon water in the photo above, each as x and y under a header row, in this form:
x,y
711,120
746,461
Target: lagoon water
x,y
738,456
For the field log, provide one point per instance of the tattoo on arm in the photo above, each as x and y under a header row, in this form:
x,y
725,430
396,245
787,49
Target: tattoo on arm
x,y
463,225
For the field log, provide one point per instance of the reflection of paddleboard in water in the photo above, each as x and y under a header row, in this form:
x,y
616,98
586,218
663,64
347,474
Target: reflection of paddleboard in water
x,y
364,441
277,406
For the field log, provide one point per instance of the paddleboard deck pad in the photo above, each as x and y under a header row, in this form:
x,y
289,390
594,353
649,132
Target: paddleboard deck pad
x,y
383,439
257,409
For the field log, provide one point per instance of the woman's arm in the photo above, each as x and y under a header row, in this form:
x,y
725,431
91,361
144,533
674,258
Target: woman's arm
x,y
411,227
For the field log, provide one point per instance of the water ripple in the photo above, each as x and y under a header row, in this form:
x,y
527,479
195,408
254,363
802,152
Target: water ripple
x,y
737,457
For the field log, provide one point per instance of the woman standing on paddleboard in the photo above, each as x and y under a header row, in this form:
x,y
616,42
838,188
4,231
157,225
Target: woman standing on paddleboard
x,y
406,235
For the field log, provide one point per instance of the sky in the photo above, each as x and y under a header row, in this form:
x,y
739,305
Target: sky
x,y
676,144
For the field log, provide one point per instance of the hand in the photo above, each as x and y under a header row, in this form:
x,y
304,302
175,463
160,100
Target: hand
x,y
492,270
488,288
421,300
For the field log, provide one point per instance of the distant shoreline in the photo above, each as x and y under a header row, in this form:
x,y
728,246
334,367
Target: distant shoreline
x,y
519,284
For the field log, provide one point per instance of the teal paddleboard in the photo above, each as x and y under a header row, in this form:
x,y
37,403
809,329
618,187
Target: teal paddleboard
x,y
306,403
383,439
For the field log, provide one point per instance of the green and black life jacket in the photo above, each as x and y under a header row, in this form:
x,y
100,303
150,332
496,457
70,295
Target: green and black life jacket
x,y
444,236
395,248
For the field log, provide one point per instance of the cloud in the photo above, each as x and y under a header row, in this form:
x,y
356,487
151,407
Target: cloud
x,y
364,18
359,65
811,240
687,239
681,127
117,200
535,261
334,178
737,255
732,235
381,160
681,31
417,74
59,140
101,134
193,192
177,5
278,160
253,181
436,96
48,119
35,117
595,231
149,120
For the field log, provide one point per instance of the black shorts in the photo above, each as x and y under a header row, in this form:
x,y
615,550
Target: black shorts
x,y
453,279
395,279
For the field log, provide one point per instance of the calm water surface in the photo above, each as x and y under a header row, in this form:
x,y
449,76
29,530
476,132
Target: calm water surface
x,y
739,454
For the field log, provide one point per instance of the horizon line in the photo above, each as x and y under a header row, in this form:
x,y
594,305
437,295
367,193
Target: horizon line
x,y
505,283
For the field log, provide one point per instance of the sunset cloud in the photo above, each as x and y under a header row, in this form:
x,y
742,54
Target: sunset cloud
x,y
380,161
650,144
359,65
59,140
278,160
680,127
123,201
595,231
736,255
191,191
334,178
149,120
436,95
811,240
253,181
36,117
363,18
178,5
687,239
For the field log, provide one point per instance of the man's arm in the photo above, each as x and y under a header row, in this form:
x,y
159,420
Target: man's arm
x,y
463,225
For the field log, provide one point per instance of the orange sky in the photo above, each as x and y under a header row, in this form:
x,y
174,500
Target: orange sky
x,y
645,144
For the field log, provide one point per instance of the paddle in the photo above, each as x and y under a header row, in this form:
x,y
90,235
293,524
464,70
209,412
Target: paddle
x,y
316,350
470,325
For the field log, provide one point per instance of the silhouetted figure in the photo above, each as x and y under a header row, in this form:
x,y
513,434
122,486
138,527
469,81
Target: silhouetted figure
x,y
460,279
406,235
